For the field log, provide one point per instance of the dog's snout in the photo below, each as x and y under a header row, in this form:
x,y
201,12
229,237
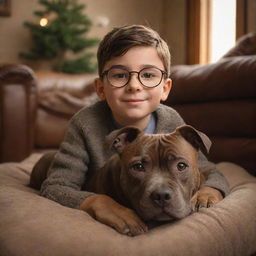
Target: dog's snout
x,y
161,196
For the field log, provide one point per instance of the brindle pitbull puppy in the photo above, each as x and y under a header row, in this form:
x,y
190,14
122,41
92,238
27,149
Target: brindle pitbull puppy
x,y
152,177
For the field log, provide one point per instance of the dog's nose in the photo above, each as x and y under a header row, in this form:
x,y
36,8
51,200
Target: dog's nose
x,y
161,196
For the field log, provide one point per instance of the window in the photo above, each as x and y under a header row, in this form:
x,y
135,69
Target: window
x,y
213,27
223,28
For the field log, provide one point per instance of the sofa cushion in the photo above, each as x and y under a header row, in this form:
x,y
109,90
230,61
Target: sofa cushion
x,y
219,99
33,225
234,118
228,79
60,96
245,45
76,85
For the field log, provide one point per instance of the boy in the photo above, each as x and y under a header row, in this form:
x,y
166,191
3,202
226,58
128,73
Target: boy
x,y
134,69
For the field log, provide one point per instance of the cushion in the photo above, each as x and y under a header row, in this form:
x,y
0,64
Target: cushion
x,y
33,225
233,134
245,45
219,99
60,96
228,79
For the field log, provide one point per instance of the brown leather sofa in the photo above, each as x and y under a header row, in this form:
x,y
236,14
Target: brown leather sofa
x,y
35,108
18,103
218,99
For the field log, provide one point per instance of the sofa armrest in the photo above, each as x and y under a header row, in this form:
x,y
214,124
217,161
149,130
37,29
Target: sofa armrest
x,y
17,112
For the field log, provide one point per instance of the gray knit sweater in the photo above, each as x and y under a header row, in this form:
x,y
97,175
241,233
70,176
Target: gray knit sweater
x,y
83,152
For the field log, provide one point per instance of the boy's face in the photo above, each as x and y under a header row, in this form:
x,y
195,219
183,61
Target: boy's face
x,y
133,103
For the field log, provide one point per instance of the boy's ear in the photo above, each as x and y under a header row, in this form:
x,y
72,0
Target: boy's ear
x,y
99,88
166,89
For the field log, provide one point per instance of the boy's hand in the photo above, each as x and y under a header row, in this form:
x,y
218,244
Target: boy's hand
x,y
205,197
106,210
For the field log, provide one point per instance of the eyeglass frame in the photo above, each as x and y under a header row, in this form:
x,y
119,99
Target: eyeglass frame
x,y
105,73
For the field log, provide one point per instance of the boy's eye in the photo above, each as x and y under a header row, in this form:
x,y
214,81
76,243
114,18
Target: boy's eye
x,y
147,75
150,74
120,76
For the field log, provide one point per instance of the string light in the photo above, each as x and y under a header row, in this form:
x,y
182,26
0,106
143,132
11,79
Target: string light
x,y
43,22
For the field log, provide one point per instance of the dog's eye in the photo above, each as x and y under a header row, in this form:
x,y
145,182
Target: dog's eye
x,y
138,167
182,166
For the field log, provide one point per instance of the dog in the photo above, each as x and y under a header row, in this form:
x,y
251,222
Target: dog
x,y
155,176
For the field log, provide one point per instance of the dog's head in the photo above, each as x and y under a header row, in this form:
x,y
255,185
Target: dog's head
x,y
159,172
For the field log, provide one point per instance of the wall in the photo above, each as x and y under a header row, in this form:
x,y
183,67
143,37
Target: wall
x,y
174,29
251,18
14,38
168,17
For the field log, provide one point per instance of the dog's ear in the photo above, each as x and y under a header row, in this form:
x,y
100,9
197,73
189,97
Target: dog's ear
x,y
119,139
196,138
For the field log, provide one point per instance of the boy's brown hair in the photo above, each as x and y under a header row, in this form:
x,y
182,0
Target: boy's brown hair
x,y
118,41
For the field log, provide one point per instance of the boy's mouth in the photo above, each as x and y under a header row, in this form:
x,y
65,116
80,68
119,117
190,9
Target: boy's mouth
x,y
133,100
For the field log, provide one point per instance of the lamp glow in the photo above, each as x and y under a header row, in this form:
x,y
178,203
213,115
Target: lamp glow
x,y
43,22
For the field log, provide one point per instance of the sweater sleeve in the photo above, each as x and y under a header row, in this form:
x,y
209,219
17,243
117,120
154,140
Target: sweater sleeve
x,y
215,178
68,171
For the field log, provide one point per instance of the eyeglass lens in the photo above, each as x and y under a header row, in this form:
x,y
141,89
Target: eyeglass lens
x,y
149,77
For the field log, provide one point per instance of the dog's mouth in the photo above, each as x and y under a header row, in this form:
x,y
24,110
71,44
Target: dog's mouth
x,y
159,215
165,215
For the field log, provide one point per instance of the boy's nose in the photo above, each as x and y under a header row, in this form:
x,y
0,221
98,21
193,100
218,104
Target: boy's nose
x,y
134,83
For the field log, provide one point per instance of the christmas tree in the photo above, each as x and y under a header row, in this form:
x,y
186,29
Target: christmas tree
x,y
61,31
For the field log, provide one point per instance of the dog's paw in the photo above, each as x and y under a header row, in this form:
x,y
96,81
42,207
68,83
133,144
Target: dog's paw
x,y
109,212
205,197
125,221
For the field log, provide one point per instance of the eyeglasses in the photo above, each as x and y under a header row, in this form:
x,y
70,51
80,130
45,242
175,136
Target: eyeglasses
x,y
148,77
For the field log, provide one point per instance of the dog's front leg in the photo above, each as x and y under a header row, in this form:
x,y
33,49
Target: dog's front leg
x,y
106,210
205,197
